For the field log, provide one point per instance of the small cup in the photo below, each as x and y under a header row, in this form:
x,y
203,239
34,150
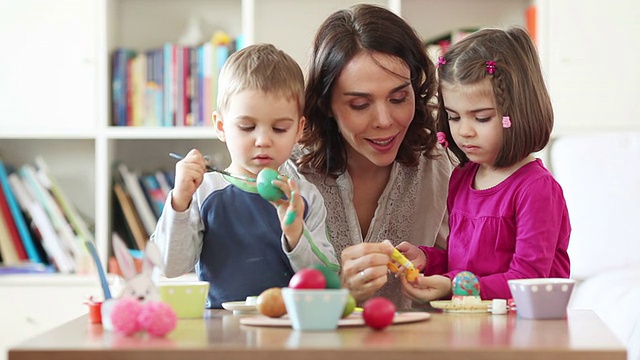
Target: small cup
x,y
95,314
499,306
542,298
186,298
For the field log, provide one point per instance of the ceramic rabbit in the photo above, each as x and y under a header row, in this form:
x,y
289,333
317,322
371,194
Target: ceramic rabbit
x,y
138,285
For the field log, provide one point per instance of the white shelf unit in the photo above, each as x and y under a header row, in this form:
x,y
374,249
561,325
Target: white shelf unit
x,y
55,92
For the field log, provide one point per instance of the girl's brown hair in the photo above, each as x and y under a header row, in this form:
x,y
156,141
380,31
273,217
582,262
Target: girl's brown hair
x,y
518,88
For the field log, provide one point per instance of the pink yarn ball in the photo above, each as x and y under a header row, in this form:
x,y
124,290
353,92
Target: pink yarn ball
x,y
158,318
124,316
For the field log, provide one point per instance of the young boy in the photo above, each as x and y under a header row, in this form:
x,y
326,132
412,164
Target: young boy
x,y
236,240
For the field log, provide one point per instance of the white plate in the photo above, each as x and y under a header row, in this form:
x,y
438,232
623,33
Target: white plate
x,y
239,307
351,320
450,306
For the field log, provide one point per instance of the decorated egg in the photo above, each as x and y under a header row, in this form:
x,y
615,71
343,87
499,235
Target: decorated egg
x,y
266,189
465,284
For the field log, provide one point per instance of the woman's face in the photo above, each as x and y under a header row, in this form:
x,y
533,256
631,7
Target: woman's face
x,y
373,103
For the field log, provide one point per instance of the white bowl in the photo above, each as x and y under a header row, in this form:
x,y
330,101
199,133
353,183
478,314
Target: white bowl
x,y
542,298
315,309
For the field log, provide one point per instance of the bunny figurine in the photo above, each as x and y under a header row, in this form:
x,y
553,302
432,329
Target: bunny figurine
x,y
139,307
138,285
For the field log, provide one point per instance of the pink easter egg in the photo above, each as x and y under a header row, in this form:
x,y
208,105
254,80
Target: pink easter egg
x,y
158,318
124,316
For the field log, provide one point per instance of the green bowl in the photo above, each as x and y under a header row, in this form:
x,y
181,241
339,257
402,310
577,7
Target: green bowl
x,y
186,298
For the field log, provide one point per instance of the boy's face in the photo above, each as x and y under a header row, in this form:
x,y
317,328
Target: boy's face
x,y
260,130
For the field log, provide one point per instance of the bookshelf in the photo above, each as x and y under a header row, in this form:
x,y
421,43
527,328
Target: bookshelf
x,y
55,84
70,124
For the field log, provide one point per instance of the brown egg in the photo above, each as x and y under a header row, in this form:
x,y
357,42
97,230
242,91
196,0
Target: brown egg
x,y
270,303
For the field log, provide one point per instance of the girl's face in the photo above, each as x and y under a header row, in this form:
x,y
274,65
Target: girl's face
x,y
373,104
260,130
475,124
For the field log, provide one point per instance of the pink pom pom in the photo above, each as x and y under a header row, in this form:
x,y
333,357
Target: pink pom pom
x,y
158,318
124,316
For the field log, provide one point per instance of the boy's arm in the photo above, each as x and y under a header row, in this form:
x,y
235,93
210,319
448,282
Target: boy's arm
x,y
314,246
179,238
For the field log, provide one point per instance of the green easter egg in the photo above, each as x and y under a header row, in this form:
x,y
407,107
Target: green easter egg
x,y
266,189
333,280
465,284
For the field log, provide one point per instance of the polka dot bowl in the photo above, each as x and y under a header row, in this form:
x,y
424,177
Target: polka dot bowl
x,y
544,298
314,309
186,298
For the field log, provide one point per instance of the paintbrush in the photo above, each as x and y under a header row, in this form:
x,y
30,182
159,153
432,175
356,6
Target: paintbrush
x,y
212,169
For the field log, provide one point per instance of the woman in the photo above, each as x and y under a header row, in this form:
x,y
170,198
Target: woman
x,y
369,144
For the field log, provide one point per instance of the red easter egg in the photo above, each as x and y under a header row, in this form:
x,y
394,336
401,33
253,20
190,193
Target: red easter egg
x,y
308,278
378,312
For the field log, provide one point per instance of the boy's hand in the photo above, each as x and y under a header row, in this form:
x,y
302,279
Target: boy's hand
x,y
426,288
189,174
413,254
290,211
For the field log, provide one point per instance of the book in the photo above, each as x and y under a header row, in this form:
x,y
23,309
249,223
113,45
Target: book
x,y
531,22
20,224
138,83
169,88
161,178
51,242
119,61
27,268
155,196
120,225
70,212
133,188
12,231
8,250
133,222
72,243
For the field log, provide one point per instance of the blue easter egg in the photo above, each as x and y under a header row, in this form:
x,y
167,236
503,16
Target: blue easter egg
x,y
266,189
465,284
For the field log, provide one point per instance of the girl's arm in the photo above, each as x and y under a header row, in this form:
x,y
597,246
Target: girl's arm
x,y
542,238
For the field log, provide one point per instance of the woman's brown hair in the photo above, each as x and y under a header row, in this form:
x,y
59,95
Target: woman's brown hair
x,y
341,36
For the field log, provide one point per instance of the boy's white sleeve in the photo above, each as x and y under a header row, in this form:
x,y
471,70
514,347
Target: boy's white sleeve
x,y
314,246
179,236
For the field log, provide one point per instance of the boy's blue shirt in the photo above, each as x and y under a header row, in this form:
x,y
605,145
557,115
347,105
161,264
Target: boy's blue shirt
x,y
241,252
232,238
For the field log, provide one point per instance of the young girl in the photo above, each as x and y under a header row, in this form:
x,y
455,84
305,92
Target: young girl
x,y
507,214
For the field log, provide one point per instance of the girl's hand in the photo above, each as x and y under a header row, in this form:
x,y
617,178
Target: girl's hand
x,y
189,174
413,254
290,211
427,288
364,268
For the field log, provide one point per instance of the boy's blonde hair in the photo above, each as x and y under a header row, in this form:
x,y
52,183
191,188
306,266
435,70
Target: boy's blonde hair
x,y
260,67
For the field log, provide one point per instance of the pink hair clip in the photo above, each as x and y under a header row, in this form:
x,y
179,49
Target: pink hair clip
x,y
442,139
441,61
491,67
506,122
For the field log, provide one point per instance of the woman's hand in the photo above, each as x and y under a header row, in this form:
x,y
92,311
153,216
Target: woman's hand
x,y
364,268
426,288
